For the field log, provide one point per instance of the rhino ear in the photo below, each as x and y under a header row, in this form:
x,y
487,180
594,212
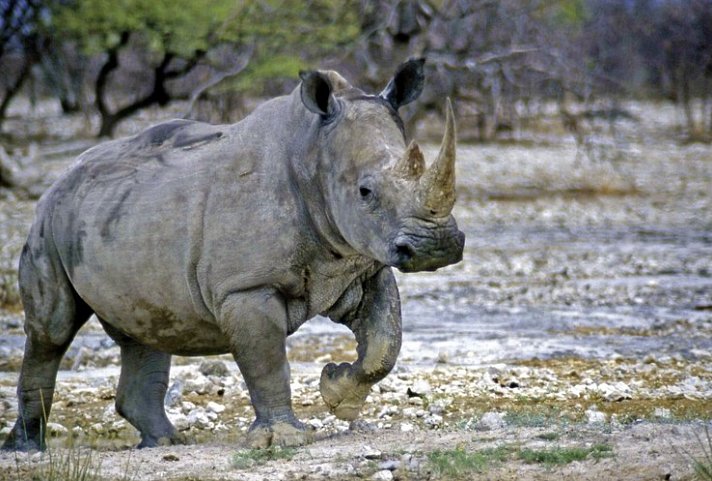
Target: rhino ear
x,y
406,85
317,93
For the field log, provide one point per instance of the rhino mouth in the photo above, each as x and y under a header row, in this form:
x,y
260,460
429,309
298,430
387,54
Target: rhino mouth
x,y
413,252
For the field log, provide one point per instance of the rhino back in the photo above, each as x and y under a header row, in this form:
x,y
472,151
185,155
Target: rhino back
x,y
151,228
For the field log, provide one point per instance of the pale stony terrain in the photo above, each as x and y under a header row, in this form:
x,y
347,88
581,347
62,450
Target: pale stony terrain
x,y
580,317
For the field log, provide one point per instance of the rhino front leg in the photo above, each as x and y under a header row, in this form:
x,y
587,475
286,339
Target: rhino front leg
x,y
377,327
256,322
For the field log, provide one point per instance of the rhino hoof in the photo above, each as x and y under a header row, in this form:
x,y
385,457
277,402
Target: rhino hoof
x,y
341,393
16,443
152,442
281,434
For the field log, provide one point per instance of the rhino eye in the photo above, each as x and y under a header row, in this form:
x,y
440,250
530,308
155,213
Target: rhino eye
x,y
364,191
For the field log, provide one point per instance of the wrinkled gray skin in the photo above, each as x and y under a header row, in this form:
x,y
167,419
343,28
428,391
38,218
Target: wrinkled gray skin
x,y
194,239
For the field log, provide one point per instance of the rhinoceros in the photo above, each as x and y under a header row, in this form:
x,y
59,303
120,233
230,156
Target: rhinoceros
x,y
195,239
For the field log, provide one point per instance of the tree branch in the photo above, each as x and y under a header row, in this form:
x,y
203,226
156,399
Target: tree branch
x,y
190,65
111,64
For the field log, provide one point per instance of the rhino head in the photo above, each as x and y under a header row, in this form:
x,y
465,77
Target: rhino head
x,y
381,197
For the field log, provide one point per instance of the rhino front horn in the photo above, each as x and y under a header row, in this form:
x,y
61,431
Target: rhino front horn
x,y
437,185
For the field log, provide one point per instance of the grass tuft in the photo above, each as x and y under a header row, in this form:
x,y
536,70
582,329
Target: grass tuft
x,y
560,455
552,436
67,465
530,419
257,457
703,465
454,463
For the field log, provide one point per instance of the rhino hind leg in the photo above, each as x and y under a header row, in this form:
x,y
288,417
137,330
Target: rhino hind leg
x,y
256,322
141,391
53,315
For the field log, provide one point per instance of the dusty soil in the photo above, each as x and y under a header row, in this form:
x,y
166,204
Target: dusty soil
x,y
579,319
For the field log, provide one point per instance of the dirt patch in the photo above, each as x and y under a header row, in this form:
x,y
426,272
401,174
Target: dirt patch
x,y
643,451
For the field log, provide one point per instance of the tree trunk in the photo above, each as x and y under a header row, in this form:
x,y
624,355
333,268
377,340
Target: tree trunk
x,y
158,95
15,87
686,101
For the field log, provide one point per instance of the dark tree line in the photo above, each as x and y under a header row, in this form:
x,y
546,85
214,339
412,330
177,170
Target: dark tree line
x,y
658,48
498,58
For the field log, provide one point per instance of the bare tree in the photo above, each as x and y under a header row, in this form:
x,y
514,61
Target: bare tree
x,y
18,53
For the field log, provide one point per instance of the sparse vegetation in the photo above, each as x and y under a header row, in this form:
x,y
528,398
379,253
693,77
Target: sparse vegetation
x,y
458,463
552,436
562,455
455,463
532,419
62,465
702,464
257,457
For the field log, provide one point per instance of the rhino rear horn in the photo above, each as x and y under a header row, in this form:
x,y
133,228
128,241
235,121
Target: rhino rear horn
x,y
317,93
406,85
412,164
437,185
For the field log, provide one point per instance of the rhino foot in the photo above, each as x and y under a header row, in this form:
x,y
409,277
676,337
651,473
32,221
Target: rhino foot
x,y
341,392
22,443
283,434
152,442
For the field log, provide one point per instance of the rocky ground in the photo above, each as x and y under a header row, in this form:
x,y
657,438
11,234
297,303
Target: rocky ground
x,y
573,342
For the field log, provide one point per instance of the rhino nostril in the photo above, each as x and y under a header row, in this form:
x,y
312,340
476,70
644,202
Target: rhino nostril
x,y
404,250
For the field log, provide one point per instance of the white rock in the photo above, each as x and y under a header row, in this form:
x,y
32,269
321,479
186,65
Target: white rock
x,y
663,413
406,427
421,388
409,462
174,394
409,412
56,429
388,411
117,426
215,407
577,390
434,420
389,464
387,385
439,406
109,414
220,428
197,383
614,392
383,475
180,421
199,419
594,416
490,421
370,453
315,423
